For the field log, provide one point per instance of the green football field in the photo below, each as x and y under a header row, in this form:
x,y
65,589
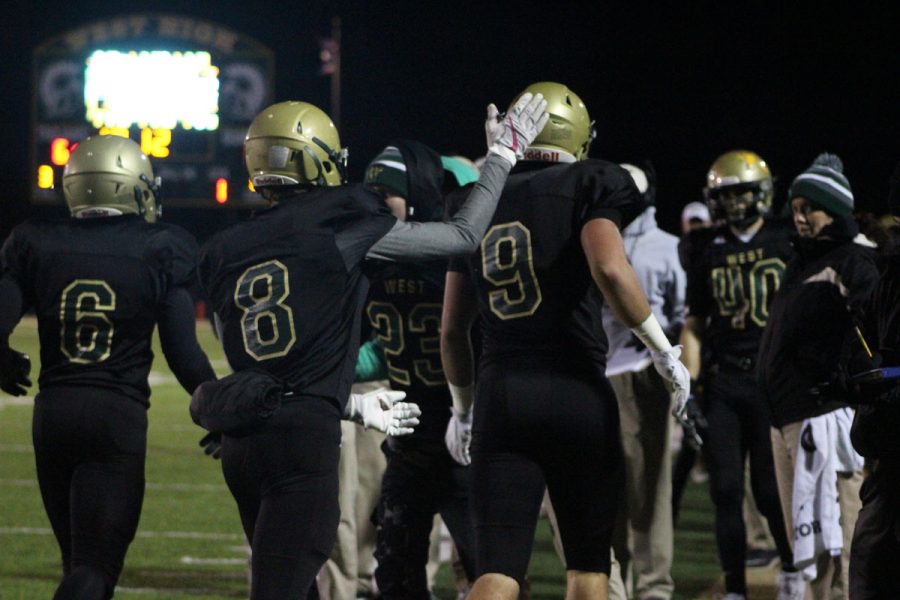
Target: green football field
x,y
189,543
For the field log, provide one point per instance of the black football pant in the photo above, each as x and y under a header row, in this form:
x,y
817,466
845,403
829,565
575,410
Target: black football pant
x,y
89,448
417,485
535,426
285,482
875,550
739,425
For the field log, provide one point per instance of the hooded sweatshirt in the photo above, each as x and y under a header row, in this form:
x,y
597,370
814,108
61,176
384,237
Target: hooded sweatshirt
x,y
653,254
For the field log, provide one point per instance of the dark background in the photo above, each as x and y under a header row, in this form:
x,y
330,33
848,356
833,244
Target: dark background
x,y
675,84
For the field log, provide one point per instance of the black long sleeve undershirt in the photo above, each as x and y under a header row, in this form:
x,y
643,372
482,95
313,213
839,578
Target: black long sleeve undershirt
x,y
177,333
11,307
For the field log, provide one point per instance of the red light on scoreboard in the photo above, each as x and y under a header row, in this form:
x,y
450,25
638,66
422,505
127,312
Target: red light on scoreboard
x,y
221,190
60,151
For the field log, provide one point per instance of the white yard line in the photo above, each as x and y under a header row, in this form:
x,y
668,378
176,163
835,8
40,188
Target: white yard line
x,y
17,448
182,535
196,560
184,591
16,401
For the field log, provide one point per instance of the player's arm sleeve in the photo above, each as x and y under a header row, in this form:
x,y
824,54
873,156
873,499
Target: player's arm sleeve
x,y
181,259
178,336
12,270
607,191
460,235
459,313
11,307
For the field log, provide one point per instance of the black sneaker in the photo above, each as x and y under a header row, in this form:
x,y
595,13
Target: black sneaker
x,y
761,559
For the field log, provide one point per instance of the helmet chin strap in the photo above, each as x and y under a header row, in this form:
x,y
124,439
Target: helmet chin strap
x,y
339,160
320,174
138,196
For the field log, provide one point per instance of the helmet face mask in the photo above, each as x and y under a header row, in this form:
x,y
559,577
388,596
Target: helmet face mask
x,y
739,188
109,175
294,144
569,132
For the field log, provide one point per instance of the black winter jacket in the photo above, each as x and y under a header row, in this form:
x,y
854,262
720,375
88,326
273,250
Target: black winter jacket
x,y
811,322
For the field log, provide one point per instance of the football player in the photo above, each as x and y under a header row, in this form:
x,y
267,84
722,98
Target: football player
x,y
287,289
545,413
733,271
99,283
404,309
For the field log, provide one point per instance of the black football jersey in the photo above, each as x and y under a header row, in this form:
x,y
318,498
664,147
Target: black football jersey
x,y
731,284
404,311
536,296
97,286
288,289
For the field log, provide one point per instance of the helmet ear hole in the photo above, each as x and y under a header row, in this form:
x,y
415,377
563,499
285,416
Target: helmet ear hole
x,y
327,166
568,100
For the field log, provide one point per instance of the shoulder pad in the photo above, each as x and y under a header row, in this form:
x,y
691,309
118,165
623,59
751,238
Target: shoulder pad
x,y
174,250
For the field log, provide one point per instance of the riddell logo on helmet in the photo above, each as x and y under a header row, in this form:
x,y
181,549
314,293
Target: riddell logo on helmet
x,y
542,155
264,180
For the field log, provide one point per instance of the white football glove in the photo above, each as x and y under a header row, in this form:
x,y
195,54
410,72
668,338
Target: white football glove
x,y
510,134
676,377
459,435
382,410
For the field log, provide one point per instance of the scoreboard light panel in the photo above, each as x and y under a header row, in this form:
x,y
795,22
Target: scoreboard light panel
x,y
185,90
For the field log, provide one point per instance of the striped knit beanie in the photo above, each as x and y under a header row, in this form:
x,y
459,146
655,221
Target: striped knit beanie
x,y
388,169
825,184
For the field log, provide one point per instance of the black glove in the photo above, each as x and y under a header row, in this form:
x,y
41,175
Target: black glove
x,y
693,422
15,368
212,444
695,413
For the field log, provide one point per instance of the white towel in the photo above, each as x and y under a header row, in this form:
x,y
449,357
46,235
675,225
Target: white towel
x,y
823,451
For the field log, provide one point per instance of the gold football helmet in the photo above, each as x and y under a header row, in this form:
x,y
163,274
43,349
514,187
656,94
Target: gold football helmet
x,y
739,187
111,173
569,129
294,143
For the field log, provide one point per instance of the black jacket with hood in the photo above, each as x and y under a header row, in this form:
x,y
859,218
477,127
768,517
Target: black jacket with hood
x,y
811,322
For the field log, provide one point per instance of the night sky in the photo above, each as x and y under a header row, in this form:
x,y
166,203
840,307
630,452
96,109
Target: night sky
x,y
678,86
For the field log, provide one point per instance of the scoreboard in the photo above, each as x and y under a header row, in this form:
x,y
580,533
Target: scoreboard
x,y
185,89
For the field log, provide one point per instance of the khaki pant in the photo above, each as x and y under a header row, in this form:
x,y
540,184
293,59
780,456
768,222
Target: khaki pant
x,y
644,539
351,567
832,579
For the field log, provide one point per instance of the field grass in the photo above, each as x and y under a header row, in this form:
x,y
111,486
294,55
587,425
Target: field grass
x,y
189,543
